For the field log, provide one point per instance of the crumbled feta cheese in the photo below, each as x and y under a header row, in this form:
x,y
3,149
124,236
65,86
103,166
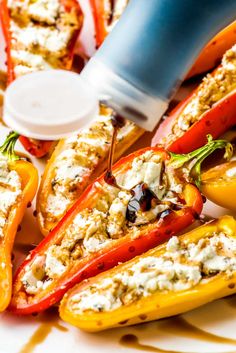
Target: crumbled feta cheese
x,y
53,266
146,169
57,204
44,10
46,39
117,213
20,70
31,283
26,62
173,244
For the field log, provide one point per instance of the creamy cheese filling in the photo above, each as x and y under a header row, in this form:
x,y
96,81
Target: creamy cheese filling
x,y
45,11
80,158
94,228
26,62
44,39
181,267
10,191
213,88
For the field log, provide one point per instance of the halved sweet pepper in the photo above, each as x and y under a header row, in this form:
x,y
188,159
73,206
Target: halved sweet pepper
x,y
210,109
35,147
106,13
169,280
28,177
84,243
219,185
88,152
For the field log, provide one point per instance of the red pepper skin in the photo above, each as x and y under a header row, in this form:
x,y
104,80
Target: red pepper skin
x,y
37,148
215,122
117,251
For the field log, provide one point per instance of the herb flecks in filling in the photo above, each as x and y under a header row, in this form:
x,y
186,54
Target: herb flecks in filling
x,y
94,228
213,88
10,191
181,267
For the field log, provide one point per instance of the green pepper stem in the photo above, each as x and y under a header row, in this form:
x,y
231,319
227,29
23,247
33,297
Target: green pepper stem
x,y
8,147
192,161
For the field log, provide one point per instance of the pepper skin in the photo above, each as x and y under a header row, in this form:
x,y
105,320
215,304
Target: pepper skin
x,y
117,250
219,185
212,53
217,119
37,148
160,304
29,179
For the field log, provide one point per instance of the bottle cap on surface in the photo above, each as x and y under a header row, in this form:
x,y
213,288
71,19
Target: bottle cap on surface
x,y
49,104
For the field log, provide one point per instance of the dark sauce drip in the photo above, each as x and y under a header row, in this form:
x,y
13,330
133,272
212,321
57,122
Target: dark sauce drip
x,y
177,326
117,123
142,199
48,321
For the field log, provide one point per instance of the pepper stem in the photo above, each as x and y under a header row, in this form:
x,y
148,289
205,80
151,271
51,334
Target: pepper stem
x,y
8,147
192,161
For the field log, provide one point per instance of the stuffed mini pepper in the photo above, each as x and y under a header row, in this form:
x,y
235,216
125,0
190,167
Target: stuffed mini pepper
x,y
40,35
18,185
153,199
185,273
210,109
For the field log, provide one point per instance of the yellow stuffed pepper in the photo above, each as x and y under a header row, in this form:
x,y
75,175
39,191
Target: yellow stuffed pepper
x,y
219,185
187,272
18,185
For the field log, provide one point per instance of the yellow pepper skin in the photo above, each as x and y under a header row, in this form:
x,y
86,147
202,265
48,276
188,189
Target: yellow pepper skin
x,y
219,185
158,305
29,183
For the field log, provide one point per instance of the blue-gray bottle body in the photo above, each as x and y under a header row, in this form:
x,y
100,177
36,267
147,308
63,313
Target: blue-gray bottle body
x,y
156,41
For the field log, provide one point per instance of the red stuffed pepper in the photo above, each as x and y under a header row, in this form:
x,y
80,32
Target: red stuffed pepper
x,y
38,37
210,109
109,224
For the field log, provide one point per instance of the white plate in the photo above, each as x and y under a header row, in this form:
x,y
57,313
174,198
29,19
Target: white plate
x,y
45,333
218,318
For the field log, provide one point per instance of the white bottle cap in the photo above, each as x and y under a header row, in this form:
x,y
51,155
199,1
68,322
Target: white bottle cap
x,y
49,104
